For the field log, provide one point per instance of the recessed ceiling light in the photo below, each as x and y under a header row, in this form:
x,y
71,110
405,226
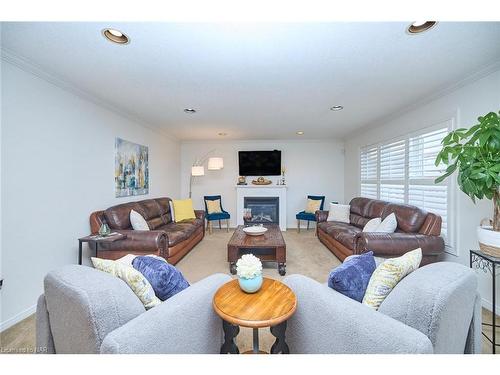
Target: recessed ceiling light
x,y
420,26
222,134
300,132
115,36
336,108
189,110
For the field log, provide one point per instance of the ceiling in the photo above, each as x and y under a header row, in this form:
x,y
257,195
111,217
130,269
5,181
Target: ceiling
x,y
257,81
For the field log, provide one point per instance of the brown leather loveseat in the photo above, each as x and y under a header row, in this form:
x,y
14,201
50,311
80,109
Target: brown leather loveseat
x,y
165,238
416,228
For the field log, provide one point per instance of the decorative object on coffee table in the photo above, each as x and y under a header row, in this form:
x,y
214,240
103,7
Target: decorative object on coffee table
x,y
237,308
255,230
261,181
95,240
249,271
488,264
475,154
269,247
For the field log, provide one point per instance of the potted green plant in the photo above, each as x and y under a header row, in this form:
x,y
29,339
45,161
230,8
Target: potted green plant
x,y
475,154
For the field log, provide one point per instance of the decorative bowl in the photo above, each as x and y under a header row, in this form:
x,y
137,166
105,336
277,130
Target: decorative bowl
x,y
255,230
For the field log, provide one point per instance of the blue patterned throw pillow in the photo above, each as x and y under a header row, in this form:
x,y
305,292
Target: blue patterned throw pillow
x,y
351,277
165,279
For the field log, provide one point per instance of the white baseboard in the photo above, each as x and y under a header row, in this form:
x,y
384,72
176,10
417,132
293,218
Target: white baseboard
x,y
489,306
17,318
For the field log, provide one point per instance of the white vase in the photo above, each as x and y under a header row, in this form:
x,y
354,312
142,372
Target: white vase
x,y
489,240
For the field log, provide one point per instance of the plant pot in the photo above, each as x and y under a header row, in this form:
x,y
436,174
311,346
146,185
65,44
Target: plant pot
x,y
489,240
251,285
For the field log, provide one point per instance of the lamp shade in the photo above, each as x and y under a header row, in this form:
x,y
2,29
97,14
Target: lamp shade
x,y
197,170
215,164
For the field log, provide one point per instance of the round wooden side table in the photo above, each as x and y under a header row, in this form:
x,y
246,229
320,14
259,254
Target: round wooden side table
x,y
270,307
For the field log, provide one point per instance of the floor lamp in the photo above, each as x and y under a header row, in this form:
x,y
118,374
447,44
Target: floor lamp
x,y
197,169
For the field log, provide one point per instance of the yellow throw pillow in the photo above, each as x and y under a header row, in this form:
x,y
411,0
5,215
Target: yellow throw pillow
x,y
313,206
183,210
213,207
387,275
134,279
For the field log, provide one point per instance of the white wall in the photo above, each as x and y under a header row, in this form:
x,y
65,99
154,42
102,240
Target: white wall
x,y
466,104
58,167
312,167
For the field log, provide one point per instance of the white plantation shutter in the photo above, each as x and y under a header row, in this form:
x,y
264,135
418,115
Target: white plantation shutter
x,y
403,171
392,161
422,191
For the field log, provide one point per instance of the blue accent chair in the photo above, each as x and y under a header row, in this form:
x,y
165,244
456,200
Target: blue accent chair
x,y
303,215
224,215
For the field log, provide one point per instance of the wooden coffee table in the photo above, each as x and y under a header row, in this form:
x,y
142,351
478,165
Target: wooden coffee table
x,y
269,247
270,307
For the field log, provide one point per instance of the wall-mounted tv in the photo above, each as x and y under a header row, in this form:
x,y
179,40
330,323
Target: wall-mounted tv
x,y
259,163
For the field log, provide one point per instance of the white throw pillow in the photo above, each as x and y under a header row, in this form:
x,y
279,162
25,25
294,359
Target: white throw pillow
x,y
127,259
339,212
388,225
138,222
172,210
372,225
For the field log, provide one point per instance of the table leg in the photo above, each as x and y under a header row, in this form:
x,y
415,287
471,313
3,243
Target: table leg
x,y
80,249
256,340
230,332
282,269
279,346
232,268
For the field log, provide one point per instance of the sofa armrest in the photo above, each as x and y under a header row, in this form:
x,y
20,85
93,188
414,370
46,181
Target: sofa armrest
x,y
141,241
390,244
327,322
185,323
200,214
321,215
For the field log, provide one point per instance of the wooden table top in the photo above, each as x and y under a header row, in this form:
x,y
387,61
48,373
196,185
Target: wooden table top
x,y
272,238
272,304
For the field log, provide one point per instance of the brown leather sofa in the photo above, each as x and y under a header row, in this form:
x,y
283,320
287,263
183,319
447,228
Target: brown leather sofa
x,y
165,238
416,228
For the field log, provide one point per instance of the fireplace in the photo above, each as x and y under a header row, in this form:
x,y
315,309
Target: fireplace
x,y
264,210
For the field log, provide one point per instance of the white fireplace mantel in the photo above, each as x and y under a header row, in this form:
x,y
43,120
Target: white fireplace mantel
x,y
278,191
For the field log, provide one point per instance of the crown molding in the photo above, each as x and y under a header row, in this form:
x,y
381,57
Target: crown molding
x,y
29,66
476,76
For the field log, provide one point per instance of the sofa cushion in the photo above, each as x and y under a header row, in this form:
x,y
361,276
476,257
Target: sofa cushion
x,y
137,220
165,209
344,233
388,275
410,218
118,217
150,210
178,232
165,279
134,279
84,305
351,277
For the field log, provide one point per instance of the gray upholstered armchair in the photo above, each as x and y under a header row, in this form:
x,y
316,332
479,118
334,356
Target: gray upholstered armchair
x,y
84,310
435,309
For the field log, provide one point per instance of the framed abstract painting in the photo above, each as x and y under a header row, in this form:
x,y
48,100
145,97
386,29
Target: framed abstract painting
x,y
131,169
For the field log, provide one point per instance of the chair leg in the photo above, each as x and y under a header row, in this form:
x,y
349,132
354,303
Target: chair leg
x,y
298,226
227,222
220,227
210,227
307,224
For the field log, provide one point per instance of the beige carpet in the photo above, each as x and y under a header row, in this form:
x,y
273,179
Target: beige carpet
x,y
305,255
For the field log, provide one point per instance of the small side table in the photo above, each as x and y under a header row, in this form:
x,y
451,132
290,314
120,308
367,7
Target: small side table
x,y
487,263
95,240
270,307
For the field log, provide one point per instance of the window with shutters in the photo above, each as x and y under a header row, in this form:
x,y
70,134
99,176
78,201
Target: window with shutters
x,y
403,171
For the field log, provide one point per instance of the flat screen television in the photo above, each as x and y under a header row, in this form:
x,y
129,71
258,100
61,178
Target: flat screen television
x,y
260,163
